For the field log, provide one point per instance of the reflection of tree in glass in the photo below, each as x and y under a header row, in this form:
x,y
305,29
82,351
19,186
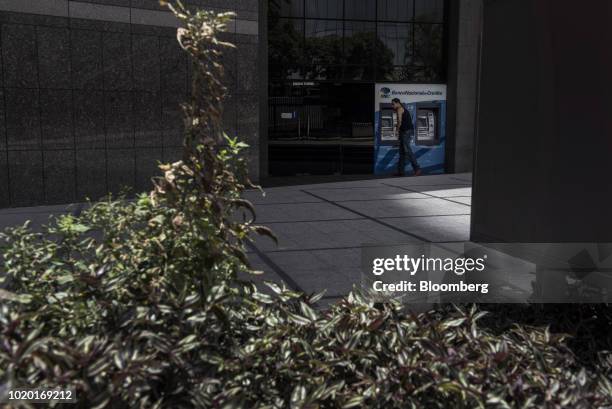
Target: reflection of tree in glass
x,y
285,51
428,53
325,57
397,40
329,56
360,48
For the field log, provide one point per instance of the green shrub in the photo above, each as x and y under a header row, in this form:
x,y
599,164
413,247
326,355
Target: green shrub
x,y
136,305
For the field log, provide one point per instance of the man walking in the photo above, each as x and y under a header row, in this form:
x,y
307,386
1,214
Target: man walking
x,y
405,129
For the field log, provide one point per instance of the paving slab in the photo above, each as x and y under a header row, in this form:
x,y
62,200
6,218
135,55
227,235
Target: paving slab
x,y
279,196
364,193
296,212
438,229
409,207
465,200
329,234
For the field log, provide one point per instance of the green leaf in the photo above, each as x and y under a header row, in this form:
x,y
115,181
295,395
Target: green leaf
x,y
308,311
354,402
264,298
457,322
19,298
298,396
298,319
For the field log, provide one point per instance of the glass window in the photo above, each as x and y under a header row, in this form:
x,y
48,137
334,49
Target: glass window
x,y
322,72
324,42
392,73
287,8
428,50
397,38
359,42
395,10
359,73
323,28
431,11
286,47
324,9
360,9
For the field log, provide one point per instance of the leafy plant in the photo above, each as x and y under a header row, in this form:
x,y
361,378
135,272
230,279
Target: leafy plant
x,y
136,305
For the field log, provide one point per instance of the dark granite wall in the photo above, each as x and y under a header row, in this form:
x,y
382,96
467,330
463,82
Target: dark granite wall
x,y
88,106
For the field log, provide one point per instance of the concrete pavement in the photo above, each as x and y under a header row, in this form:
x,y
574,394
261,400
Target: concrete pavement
x,y
322,228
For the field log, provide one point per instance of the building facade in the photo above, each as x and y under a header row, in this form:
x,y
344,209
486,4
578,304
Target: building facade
x,y
91,89
91,94
324,59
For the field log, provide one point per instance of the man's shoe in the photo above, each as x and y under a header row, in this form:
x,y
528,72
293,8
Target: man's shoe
x,y
418,172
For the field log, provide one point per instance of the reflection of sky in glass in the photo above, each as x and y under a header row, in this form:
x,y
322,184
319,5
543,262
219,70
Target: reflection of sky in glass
x,y
360,9
395,10
291,8
323,28
429,10
324,8
354,27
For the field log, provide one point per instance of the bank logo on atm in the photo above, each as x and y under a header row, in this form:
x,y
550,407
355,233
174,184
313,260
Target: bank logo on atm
x,y
385,92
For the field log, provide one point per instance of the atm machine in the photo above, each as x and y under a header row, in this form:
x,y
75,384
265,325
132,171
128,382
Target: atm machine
x,y
388,123
428,114
427,125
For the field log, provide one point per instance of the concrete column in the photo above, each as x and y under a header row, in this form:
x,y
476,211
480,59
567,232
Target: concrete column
x,y
463,81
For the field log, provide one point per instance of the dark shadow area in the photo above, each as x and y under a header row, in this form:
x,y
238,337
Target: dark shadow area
x,y
588,325
543,145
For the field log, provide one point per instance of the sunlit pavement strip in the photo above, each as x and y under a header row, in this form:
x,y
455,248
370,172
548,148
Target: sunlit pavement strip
x,y
321,228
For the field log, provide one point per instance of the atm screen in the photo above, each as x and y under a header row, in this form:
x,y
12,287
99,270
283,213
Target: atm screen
x,y
388,121
427,127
